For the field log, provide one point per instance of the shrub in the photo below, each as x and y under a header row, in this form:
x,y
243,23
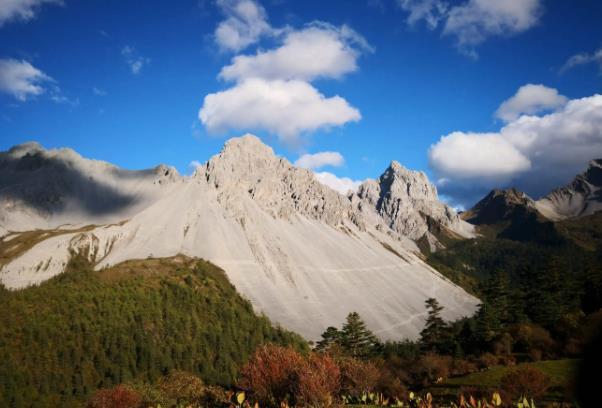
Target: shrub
x,y
390,384
182,388
525,381
357,377
116,397
463,367
487,360
272,374
431,368
319,381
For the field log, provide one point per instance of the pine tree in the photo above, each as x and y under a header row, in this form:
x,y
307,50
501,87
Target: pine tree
x,y
330,338
356,340
435,333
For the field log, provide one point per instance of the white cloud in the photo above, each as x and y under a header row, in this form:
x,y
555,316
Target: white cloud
x,y
135,61
317,51
21,10
272,89
431,11
285,108
582,59
21,79
321,159
474,21
245,23
530,99
341,184
533,153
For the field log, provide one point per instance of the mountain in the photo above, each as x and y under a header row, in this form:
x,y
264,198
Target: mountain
x,y
296,249
512,214
406,202
583,196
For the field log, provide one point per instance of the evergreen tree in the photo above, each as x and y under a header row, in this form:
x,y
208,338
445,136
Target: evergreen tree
x,y
356,340
331,337
435,333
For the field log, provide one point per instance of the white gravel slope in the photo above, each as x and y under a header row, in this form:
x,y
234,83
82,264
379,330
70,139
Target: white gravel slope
x,y
294,248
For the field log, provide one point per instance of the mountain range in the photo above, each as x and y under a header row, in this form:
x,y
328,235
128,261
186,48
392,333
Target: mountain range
x,y
298,250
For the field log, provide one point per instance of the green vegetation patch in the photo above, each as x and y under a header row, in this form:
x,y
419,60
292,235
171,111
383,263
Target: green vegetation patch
x,y
84,330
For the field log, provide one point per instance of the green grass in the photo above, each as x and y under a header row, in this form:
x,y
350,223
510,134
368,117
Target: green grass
x,y
560,372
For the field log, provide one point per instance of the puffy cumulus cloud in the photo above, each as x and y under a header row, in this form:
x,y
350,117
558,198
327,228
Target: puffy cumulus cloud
x,y
284,108
473,21
583,59
272,88
530,99
21,10
431,11
133,59
321,159
246,22
21,79
341,184
534,153
317,51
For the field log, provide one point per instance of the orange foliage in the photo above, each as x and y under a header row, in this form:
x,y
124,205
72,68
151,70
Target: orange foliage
x,y
116,397
319,380
357,376
272,373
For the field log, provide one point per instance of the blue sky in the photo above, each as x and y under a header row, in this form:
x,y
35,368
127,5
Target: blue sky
x,y
124,81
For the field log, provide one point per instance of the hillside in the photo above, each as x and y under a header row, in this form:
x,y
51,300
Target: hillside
x,y
137,320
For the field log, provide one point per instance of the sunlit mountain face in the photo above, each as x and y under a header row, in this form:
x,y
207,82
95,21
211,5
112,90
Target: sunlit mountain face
x,y
244,203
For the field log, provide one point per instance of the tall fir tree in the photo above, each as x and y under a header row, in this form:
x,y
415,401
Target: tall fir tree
x,y
435,334
356,340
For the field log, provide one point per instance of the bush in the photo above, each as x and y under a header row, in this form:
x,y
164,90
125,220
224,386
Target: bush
x,y
116,397
319,381
182,388
272,374
487,360
525,382
463,367
432,368
357,377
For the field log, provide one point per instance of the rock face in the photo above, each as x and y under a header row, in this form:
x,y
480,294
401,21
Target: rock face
x,y
406,202
499,206
583,196
300,252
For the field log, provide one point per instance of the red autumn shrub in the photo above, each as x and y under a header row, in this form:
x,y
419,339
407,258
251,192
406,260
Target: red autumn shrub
x,y
319,381
357,376
525,381
390,383
116,397
272,374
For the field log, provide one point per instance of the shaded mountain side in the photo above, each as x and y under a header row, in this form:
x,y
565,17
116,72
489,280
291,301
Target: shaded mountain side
x,y
584,231
511,214
83,330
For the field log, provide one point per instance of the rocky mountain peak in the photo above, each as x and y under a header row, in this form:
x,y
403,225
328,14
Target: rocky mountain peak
x,y
407,202
583,196
499,205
